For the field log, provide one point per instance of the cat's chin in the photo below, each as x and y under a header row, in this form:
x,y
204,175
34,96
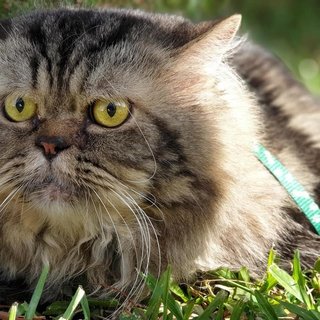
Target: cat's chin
x,y
54,198
60,193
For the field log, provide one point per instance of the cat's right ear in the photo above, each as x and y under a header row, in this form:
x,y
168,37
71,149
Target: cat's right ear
x,y
213,42
5,26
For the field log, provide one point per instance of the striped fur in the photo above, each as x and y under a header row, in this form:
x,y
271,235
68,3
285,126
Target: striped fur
x,y
177,183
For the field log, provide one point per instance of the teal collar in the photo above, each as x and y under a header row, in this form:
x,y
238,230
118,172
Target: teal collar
x,y
293,187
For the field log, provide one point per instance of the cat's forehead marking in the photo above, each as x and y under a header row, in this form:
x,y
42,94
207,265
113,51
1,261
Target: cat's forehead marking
x,y
68,37
63,40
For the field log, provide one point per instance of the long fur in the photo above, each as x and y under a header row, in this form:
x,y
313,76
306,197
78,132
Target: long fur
x,y
178,182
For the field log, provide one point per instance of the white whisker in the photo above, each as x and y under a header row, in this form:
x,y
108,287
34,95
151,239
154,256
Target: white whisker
x,y
144,257
112,222
8,199
148,222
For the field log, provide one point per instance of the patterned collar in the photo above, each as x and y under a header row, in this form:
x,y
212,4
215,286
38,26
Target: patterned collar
x,y
296,191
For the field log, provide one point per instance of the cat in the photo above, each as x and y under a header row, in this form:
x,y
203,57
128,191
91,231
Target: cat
x,y
127,145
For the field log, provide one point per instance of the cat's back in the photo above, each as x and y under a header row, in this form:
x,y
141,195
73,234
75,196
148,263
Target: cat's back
x,y
290,115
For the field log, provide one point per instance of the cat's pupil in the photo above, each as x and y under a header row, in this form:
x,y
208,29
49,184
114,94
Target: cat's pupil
x,y
20,104
111,109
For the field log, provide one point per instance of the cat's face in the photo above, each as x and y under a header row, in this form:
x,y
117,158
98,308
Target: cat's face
x,y
101,109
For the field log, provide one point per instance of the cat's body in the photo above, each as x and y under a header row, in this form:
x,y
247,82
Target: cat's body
x,y
177,180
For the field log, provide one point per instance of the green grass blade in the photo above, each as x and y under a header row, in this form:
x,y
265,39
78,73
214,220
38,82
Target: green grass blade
x,y
179,292
297,272
170,316
152,311
270,280
174,307
244,274
22,308
237,310
76,299
151,281
315,313
317,265
272,257
13,311
301,312
220,313
85,308
56,308
188,310
165,282
286,281
240,286
37,294
251,315
218,302
161,292
300,280
265,306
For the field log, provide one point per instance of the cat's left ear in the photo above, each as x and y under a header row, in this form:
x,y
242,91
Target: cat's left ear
x,y
214,42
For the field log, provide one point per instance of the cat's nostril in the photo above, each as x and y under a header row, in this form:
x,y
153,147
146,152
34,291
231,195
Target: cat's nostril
x,y
51,145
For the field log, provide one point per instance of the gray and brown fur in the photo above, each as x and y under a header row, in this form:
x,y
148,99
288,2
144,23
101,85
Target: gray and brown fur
x,y
178,182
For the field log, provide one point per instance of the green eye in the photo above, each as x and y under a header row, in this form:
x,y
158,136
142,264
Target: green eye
x,y
19,109
110,113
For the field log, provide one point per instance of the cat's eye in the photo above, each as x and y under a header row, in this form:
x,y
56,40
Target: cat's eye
x,y
19,109
110,112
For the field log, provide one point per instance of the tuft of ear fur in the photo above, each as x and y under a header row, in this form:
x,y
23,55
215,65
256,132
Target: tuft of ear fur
x,y
225,30
201,62
214,43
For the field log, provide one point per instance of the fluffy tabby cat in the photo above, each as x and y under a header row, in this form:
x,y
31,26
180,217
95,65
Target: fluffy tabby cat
x,y
126,145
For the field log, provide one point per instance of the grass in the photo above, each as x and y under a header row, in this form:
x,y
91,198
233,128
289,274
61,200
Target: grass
x,y
220,294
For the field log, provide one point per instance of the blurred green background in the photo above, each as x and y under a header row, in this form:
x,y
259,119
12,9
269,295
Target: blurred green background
x,y
290,28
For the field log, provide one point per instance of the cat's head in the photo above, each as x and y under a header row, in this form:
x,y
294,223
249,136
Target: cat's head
x,y
112,110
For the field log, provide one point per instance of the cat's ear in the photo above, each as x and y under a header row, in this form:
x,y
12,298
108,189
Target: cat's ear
x,y
214,41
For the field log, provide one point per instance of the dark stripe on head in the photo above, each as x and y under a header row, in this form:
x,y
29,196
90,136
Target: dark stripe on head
x,y
5,27
34,65
77,26
105,40
37,36
84,79
125,27
71,28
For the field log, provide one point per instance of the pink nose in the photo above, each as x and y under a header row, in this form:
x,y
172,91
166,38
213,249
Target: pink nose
x,y
49,148
52,145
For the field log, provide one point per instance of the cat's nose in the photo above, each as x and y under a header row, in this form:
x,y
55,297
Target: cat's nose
x,y
51,145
